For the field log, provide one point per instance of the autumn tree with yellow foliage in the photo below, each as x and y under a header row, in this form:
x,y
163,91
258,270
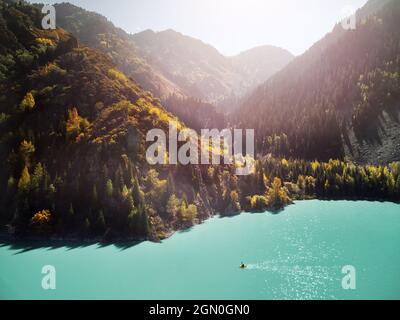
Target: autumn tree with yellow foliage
x,y
277,196
40,222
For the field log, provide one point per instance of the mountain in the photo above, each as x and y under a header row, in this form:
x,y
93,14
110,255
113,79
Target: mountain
x,y
198,68
258,64
205,73
169,62
73,144
97,32
339,99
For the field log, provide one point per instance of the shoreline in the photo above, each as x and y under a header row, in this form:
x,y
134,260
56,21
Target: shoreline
x,y
55,241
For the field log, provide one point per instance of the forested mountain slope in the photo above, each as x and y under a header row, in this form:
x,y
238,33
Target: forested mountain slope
x,y
96,31
72,141
330,102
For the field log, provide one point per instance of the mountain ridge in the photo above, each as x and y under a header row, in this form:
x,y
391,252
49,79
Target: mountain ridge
x,y
196,70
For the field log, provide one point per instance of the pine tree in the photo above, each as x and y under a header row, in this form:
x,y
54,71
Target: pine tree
x,y
138,195
170,184
71,213
11,185
95,197
125,192
109,188
191,213
86,227
260,185
46,180
144,225
26,150
37,177
25,180
28,103
185,200
172,206
101,222
119,178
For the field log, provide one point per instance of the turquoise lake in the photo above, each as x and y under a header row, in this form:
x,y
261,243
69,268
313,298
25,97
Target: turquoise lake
x,y
297,254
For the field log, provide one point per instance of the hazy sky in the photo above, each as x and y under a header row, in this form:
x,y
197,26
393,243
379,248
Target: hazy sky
x,y
231,26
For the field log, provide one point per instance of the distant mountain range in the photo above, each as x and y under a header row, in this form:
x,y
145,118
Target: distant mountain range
x,y
202,72
169,62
